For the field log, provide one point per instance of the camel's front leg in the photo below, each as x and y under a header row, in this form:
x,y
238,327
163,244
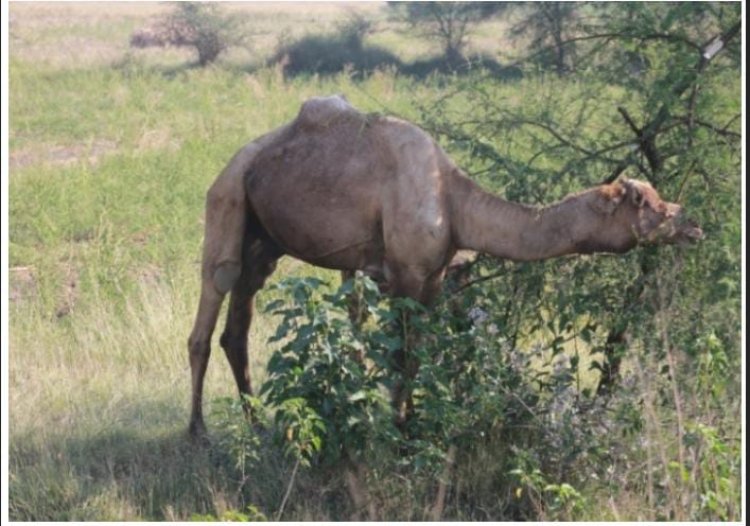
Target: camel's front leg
x,y
259,261
417,286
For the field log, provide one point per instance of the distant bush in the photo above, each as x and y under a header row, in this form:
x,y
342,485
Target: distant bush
x,y
191,24
334,53
446,22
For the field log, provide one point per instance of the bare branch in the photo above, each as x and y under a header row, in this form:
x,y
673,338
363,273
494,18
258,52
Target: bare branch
x,y
629,120
724,132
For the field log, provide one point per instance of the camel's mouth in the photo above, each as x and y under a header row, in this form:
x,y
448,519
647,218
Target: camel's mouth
x,y
687,231
679,232
690,234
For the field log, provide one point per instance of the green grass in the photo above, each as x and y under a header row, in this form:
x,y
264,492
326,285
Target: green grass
x,y
111,153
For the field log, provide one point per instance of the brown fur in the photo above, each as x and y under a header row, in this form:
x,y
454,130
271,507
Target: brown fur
x,y
349,191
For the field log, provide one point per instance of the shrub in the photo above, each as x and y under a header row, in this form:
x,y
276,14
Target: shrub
x,y
192,24
448,23
328,386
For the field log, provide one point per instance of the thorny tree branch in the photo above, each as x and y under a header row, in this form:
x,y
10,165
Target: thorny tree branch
x,y
722,131
647,145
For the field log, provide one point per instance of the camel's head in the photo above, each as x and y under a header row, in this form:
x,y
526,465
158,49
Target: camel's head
x,y
643,217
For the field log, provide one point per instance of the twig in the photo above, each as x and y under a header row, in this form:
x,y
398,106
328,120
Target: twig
x,y
478,280
724,132
354,473
614,509
437,509
629,120
288,491
646,140
668,350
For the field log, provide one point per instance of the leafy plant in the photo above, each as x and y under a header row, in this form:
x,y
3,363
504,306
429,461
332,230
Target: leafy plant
x,y
326,382
239,437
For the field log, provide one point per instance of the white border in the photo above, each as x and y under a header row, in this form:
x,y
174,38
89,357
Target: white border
x,y
4,337
4,263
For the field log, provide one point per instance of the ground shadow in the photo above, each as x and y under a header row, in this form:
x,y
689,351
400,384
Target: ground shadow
x,y
325,56
332,54
444,65
133,469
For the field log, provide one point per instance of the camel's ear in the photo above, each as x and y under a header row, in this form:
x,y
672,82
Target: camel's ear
x,y
609,197
636,193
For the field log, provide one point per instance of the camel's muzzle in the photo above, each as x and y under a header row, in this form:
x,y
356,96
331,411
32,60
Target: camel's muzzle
x,y
686,230
692,232
676,228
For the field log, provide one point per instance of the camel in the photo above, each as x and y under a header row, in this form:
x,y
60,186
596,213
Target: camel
x,y
351,191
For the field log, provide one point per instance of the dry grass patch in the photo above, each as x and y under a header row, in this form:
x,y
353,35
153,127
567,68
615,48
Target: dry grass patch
x,y
61,155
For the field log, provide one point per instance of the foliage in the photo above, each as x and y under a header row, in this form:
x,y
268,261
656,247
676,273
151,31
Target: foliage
x,y
200,25
241,440
623,42
326,399
327,384
550,26
630,309
446,22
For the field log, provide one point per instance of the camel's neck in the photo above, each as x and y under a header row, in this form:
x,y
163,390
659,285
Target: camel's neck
x,y
489,224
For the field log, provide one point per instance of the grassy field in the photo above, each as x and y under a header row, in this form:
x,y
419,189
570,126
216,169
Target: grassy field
x,y
111,152
110,160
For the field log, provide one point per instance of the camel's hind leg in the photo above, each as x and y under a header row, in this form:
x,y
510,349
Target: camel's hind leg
x,y
259,258
222,255
199,347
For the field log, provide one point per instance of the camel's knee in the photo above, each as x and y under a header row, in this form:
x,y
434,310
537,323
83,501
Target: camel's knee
x,y
226,276
232,342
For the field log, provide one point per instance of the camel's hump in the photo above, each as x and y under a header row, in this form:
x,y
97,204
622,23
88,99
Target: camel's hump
x,y
319,111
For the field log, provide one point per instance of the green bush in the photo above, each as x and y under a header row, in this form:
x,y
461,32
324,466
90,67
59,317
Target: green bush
x,y
198,25
328,387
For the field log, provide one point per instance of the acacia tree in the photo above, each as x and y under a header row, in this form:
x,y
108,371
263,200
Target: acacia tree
x,y
666,320
198,25
446,22
550,25
665,138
